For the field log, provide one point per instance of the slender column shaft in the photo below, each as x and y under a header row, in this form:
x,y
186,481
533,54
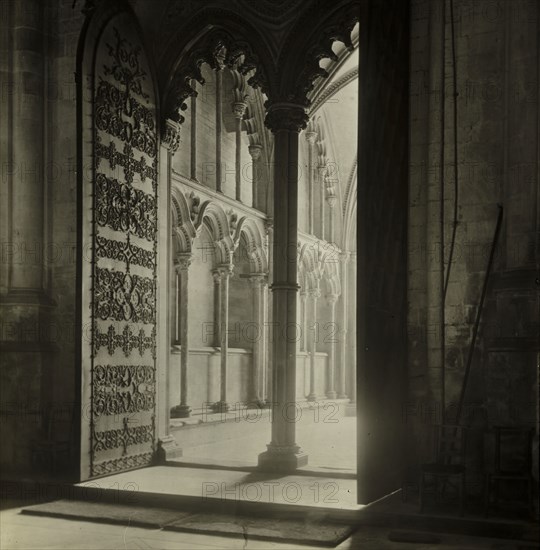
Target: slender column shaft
x,y
239,108
216,329
342,383
303,322
332,222
184,339
177,306
331,392
270,310
255,152
321,169
314,294
182,295
311,137
258,351
264,341
225,272
283,454
193,135
219,118
352,331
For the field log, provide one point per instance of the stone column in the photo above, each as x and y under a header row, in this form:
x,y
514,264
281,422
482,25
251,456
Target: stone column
x,y
225,271
255,152
303,319
24,163
310,137
257,284
331,392
342,382
352,332
314,294
182,269
216,333
331,200
239,108
219,118
283,454
321,171
193,144
269,225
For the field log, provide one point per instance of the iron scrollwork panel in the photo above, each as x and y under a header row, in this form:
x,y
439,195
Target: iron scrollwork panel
x,y
124,248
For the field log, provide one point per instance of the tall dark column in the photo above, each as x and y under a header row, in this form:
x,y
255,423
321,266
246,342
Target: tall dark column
x,y
283,454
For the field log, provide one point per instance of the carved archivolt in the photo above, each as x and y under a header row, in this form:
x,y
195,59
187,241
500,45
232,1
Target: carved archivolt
x,y
218,49
302,72
224,228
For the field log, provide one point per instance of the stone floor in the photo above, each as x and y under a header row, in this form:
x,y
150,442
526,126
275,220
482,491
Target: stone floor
x,y
31,532
329,442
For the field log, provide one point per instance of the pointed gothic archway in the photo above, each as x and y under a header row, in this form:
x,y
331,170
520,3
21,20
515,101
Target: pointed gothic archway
x,y
118,238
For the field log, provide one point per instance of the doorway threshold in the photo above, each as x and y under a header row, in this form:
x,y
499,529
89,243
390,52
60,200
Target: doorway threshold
x,y
230,491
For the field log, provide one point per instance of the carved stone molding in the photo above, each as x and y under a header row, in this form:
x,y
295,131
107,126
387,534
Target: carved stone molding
x,y
286,116
337,29
219,50
171,135
333,89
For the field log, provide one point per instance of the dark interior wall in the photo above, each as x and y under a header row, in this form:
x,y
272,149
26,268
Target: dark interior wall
x,y
382,244
38,198
497,73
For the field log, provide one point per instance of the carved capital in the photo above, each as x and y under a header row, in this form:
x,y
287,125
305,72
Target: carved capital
x,y
311,137
345,257
255,151
182,262
257,279
332,298
331,200
286,116
314,293
239,109
269,225
223,271
171,135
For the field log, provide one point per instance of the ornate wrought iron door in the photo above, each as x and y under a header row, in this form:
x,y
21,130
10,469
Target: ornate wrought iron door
x,y
119,259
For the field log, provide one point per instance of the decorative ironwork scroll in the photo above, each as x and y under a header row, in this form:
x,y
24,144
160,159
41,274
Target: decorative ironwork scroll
x,y
121,372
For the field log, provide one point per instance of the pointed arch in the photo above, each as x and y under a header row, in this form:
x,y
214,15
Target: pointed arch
x,y
214,217
257,256
183,230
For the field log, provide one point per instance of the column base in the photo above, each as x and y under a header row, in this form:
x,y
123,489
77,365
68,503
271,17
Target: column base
x,y
342,395
331,394
167,449
311,397
219,407
282,459
180,411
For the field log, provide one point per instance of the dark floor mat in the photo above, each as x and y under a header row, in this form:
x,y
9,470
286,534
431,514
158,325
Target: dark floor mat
x,y
317,532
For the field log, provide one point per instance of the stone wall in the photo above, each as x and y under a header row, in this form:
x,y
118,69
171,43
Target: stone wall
x,y
496,66
39,218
